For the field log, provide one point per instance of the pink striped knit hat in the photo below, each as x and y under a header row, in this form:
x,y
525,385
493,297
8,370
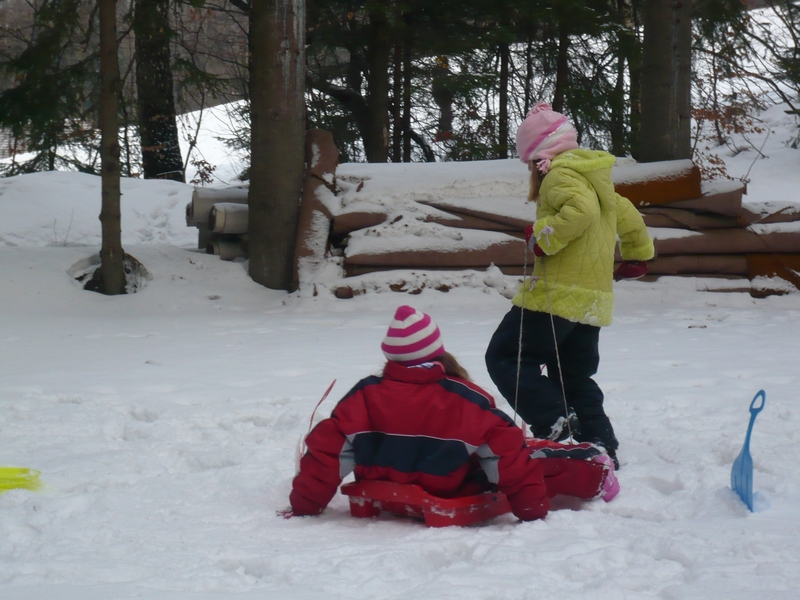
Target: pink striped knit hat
x,y
413,338
543,135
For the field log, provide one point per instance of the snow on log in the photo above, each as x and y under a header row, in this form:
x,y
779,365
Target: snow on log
x,y
228,217
666,216
204,198
507,214
346,223
720,197
508,252
314,218
646,184
726,241
765,213
785,266
466,221
353,221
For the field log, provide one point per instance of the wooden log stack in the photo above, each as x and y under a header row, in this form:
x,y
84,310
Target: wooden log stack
x,y
221,214
218,214
699,228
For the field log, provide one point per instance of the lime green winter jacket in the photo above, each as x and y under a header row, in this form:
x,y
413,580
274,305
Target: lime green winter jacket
x,y
578,219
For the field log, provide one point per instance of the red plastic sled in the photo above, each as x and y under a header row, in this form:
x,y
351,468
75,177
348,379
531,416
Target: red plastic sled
x,y
370,498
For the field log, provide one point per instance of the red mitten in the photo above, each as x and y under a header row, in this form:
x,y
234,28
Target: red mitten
x,y
630,269
302,507
530,503
531,241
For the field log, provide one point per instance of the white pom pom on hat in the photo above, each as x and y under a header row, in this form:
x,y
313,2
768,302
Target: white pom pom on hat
x,y
413,338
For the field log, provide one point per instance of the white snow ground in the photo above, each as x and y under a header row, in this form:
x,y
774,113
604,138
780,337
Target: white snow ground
x,y
165,424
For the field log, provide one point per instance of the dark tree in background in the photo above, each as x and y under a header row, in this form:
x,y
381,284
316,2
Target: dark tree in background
x,y
407,79
45,85
111,254
666,80
277,115
161,152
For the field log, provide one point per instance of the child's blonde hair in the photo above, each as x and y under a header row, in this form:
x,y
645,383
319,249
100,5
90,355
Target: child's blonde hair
x,y
535,181
452,367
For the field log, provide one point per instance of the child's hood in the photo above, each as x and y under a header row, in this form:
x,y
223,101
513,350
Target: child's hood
x,y
596,166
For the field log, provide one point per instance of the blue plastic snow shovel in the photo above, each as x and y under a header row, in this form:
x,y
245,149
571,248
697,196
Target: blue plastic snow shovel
x,y
742,471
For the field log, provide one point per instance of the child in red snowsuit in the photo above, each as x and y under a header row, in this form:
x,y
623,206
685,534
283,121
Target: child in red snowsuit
x,y
424,422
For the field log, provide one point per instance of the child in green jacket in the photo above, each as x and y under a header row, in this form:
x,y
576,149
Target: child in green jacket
x,y
561,308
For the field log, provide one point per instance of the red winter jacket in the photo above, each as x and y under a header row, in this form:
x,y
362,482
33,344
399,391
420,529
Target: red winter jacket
x,y
418,425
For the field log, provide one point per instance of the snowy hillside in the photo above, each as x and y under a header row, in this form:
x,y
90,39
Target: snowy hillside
x,y
165,424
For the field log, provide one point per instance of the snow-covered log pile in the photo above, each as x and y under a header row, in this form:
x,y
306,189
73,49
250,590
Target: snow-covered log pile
x,y
361,219
408,221
221,214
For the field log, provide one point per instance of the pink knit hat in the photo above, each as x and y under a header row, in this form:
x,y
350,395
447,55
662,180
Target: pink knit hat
x,y
413,338
543,135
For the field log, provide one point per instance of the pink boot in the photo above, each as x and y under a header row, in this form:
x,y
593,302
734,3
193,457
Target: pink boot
x,y
610,486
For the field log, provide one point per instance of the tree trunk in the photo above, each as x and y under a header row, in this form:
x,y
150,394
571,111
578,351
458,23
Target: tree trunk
x,y
528,76
111,254
666,81
376,137
277,70
502,126
635,74
161,152
397,93
407,100
626,42
617,105
562,68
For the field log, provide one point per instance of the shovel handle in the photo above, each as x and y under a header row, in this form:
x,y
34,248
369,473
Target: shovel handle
x,y
754,410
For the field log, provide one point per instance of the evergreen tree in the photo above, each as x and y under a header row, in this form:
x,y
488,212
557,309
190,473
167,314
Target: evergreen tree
x,y
158,130
47,104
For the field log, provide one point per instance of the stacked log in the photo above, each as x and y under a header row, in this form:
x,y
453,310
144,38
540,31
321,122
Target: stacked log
x,y
699,229
221,214
645,185
314,219
209,210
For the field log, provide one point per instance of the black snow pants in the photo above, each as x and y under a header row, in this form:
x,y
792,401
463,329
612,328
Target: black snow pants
x,y
540,400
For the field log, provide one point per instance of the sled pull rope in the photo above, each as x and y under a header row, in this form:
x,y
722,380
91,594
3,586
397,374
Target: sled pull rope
x,y
519,341
314,412
555,344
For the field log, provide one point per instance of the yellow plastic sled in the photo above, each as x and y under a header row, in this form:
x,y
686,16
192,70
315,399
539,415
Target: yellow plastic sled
x,y
12,478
